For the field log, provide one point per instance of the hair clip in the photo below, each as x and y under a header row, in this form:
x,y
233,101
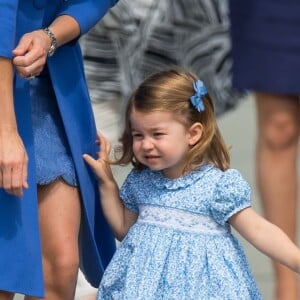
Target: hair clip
x,y
197,99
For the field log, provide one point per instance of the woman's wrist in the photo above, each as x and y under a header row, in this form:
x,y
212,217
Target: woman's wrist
x,y
65,29
53,41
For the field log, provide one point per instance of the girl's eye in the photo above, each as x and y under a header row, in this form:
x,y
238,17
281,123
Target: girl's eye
x,y
137,135
158,133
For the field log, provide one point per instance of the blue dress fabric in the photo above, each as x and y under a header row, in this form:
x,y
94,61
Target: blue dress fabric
x,y
266,45
181,246
53,158
20,246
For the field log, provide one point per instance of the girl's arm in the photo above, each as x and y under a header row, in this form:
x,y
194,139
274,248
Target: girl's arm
x,y
117,215
13,156
267,238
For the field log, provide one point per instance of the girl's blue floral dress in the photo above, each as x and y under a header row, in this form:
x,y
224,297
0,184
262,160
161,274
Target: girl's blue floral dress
x,y
181,246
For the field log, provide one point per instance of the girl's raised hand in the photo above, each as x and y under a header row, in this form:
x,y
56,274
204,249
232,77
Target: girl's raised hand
x,y
101,166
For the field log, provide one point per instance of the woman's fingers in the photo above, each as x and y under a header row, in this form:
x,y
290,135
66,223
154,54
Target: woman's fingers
x,y
13,163
12,180
89,159
31,54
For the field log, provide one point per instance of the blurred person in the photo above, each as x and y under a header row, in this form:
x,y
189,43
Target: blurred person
x,y
266,61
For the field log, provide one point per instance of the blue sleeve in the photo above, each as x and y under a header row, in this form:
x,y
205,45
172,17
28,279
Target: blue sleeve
x,y
87,12
8,17
127,193
232,194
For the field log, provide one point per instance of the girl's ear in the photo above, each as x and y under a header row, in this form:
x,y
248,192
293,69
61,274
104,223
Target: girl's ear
x,y
195,133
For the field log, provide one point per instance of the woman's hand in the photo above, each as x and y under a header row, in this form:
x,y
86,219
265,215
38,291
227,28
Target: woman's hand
x,y
30,55
13,162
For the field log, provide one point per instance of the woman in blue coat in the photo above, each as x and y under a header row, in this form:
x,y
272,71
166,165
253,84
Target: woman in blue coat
x,y
48,197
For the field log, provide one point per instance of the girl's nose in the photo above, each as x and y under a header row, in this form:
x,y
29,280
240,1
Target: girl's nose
x,y
147,144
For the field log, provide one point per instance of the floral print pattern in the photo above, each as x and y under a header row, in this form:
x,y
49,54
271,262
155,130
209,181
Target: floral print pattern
x,y
181,246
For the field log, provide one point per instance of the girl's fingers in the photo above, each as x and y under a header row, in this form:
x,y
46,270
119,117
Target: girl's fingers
x,y
104,146
89,159
95,165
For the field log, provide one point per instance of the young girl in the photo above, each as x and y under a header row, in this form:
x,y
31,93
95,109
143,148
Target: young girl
x,y
174,211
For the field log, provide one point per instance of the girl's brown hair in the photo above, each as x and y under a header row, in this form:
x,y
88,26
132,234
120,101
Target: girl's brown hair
x,y
170,91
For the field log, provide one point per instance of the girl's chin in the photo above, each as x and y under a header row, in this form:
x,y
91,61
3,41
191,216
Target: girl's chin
x,y
154,168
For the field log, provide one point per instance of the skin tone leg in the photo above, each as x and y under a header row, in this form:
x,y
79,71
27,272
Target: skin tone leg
x,y
276,167
59,217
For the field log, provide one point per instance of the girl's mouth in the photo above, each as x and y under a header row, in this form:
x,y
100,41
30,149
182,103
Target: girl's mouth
x,y
151,158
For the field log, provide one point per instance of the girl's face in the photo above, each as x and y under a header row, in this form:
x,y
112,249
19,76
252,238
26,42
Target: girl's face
x,y
161,142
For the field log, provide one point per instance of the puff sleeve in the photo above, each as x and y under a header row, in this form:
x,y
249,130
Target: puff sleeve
x,y
232,194
86,12
128,194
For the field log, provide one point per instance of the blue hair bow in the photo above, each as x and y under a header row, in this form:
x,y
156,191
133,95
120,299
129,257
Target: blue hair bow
x,y
197,99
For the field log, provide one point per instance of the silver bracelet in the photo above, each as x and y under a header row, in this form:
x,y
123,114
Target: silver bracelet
x,y
53,46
